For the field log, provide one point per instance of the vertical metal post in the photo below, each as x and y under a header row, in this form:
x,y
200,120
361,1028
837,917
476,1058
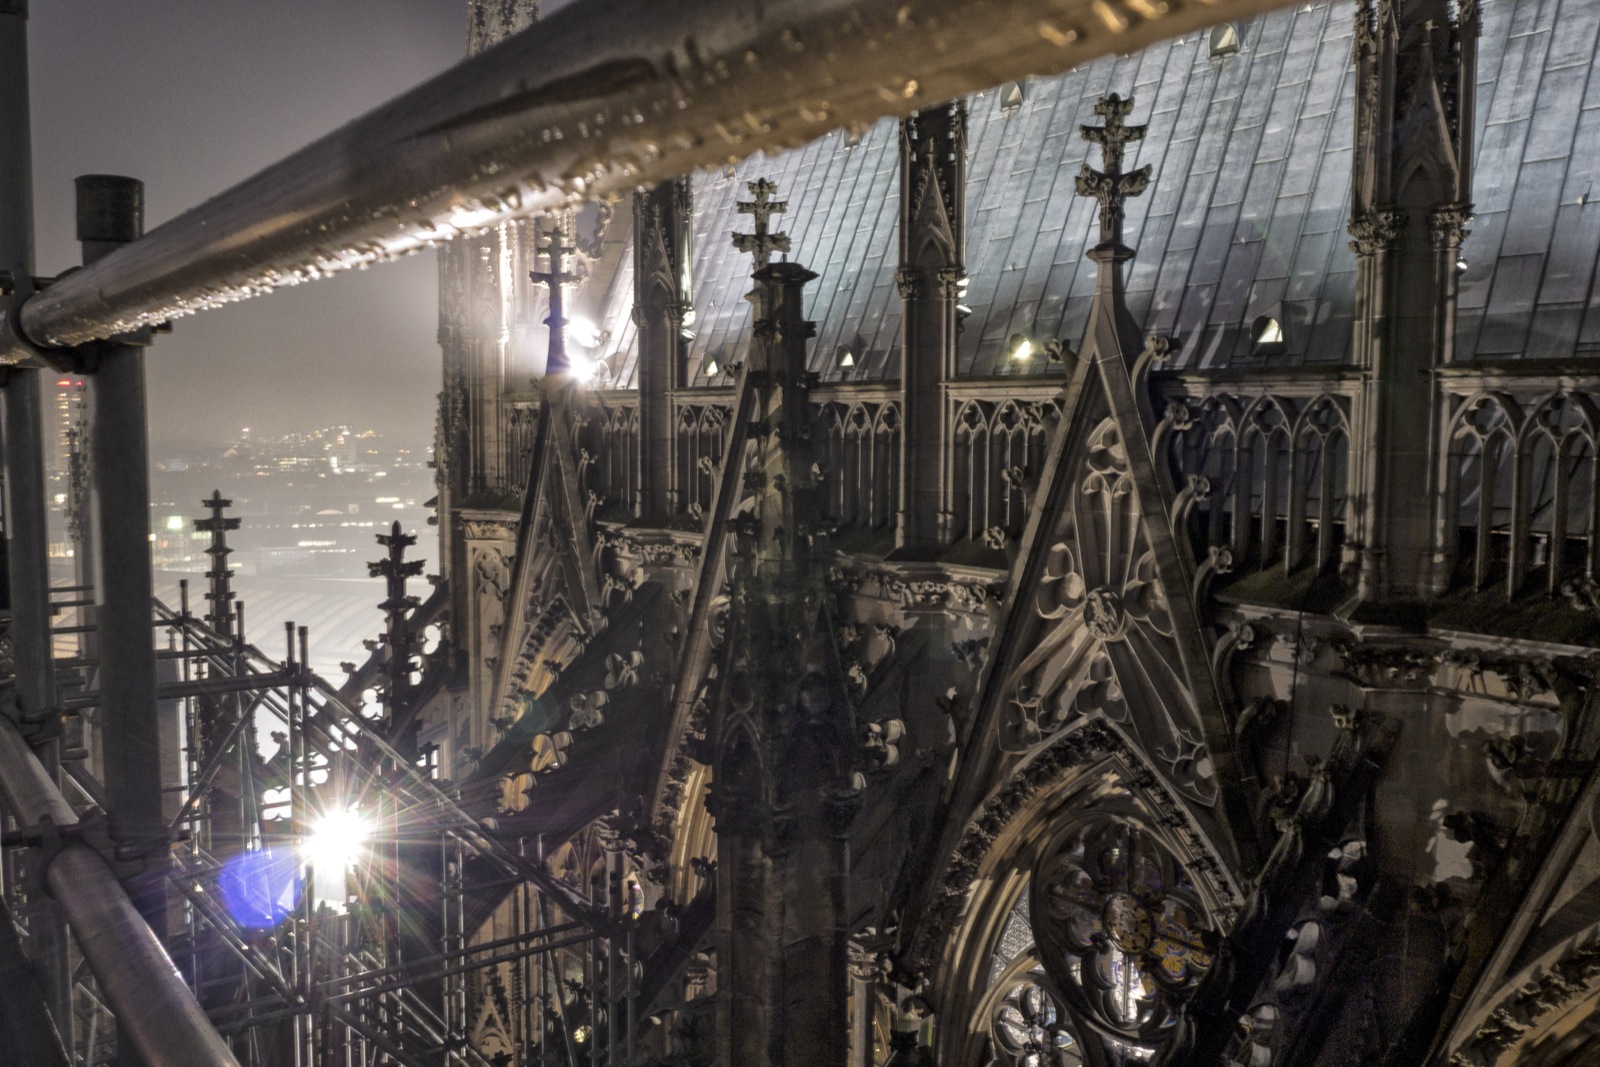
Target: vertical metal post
x,y
297,825
28,539
111,214
25,509
25,488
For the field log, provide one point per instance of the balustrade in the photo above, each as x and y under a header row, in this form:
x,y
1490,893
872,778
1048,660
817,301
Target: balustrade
x,y
1266,463
1269,474
1519,499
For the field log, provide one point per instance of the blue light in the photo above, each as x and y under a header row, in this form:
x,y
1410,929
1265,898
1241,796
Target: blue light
x,y
261,889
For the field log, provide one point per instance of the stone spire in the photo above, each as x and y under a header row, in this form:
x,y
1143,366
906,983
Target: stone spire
x,y
398,639
1411,191
663,313
782,797
931,278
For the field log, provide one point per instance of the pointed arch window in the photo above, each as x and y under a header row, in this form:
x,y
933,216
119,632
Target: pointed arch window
x,y
1104,943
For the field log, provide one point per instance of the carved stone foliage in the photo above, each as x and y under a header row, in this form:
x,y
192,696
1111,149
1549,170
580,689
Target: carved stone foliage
x,y
1522,678
485,528
1120,930
931,594
492,21
1573,977
1376,231
1105,636
1386,665
650,553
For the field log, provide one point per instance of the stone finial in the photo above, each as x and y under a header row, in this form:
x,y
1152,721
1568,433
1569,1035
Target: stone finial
x,y
556,250
763,242
1111,186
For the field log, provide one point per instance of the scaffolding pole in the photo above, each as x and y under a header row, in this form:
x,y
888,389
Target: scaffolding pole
x,y
155,1010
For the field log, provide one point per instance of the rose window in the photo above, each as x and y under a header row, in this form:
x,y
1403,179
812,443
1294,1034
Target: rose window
x,y
1119,927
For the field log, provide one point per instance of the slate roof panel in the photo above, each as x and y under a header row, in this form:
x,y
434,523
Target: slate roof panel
x,y
1575,44
1570,271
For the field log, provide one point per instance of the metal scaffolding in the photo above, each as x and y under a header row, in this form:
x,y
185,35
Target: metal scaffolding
x,y
369,965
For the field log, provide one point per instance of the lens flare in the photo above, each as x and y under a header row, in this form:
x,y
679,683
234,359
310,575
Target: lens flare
x,y
260,889
337,841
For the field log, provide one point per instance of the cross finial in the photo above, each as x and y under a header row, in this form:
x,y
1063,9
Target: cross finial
x,y
557,250
762,243
221,593
1111,186
397,627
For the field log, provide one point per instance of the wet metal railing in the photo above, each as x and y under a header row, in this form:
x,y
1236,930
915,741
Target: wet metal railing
x,y
601,98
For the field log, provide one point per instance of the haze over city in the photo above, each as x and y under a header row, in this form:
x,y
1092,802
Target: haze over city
x,y
192,96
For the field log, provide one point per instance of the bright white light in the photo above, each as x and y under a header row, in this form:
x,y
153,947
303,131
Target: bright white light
x,y
337,841
1021,347
582,332
711,369
582,369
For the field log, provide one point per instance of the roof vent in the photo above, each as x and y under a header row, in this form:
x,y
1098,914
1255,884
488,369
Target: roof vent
x,y
1012,97
1266,336
1224,41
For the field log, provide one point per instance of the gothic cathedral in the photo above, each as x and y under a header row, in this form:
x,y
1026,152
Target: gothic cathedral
x,y
1101,572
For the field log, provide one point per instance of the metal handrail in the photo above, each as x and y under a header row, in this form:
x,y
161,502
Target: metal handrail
x,y
596,100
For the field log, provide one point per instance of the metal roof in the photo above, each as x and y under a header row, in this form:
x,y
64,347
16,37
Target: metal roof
x,y
1245,216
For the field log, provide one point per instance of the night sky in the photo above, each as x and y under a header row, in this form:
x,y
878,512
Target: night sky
x,y
191,96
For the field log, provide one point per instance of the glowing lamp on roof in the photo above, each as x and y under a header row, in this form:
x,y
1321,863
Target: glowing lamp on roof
x,y
588,371
1018,347
584,333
